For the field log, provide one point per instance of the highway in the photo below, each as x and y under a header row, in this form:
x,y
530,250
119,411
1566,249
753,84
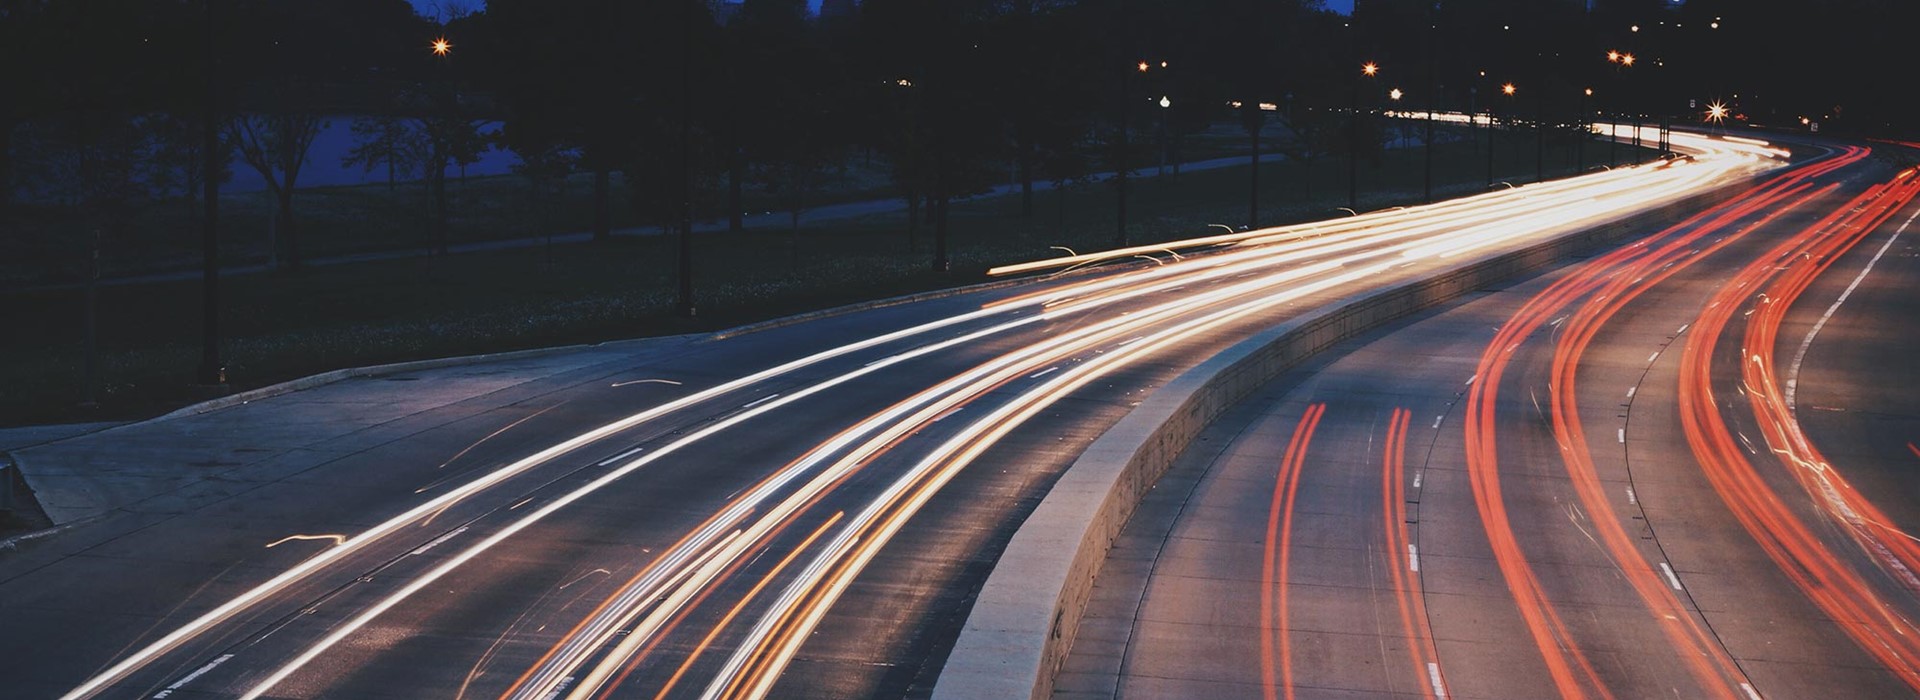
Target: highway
x,y
1681,468
802,511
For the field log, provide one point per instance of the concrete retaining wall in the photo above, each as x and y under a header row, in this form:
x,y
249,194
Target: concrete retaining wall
x,y
1025,618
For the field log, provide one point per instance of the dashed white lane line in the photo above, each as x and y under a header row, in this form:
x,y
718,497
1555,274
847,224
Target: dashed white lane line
x,y
1044,372
761,401
1751,693
1675,580
1436,421
1623,436
1630,391
1632,499
191,676
621,456
1413,557
1654,356
1439,688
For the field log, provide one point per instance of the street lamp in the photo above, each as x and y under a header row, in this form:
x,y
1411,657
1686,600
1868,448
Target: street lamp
x,y
441,47
1367,70
1717,113
212,372
1165,147
1585,125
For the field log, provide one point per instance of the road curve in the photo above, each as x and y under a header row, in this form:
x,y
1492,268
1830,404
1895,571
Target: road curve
x,y
796,512
1591,485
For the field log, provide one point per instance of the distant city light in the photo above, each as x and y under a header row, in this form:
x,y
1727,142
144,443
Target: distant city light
x,y
441,47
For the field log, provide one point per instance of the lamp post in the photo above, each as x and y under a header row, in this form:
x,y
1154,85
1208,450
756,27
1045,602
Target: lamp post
x,y
1508,90
1622,61
1583,123
212,373
1367,70
437,144
1120,157
1395,94
1165,103
686,299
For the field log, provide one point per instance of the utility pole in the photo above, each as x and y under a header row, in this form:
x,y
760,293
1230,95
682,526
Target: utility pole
x,y
1540,134
686,304
1120,156
1433,101
212,373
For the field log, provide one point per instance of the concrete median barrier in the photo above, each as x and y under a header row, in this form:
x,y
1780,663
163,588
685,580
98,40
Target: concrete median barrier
x,y
1025,618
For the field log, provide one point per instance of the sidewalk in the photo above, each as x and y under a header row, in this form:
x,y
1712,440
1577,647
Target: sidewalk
x,y
80,472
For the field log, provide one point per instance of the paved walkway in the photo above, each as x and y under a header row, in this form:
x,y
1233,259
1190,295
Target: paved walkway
x,y
81,471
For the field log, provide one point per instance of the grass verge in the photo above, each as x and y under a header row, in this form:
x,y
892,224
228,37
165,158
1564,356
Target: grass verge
x,y
283,326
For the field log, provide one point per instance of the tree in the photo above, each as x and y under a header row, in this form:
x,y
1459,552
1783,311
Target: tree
x,y
275,146
176,164
385,142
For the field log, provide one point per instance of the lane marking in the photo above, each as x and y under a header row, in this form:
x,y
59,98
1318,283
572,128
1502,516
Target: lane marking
x,y
1044,372
1413,557
191,676
1751,693
1654,356
1675,580
943,416
761,401
1439,688
1793,370
337,539
437,541
1631,499
1683,328
1417,475
1436,421
1630,391
646,381
1623,436
618,457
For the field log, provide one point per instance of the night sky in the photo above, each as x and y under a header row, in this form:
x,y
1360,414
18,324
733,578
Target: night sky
x,y
426,7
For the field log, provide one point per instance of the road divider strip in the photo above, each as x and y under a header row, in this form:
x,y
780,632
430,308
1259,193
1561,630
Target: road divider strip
x,y
1023,622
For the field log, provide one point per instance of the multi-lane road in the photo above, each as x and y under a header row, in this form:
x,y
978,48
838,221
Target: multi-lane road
x,y
1682,468
803,511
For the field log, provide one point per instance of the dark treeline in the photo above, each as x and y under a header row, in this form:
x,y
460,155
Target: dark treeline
x,y
103,103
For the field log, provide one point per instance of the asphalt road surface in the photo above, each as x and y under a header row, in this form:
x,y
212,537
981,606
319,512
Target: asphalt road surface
x,y
800,512
1645,475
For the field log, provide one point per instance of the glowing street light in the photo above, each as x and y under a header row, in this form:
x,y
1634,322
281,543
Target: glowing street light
x,y
1367,70
441,47
1716,113
1165,102
1508,89
1613,57
1143,66
1395,94
1626,59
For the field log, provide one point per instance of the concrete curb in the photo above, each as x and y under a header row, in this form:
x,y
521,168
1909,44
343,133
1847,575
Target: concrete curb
x,y
928,295
1024,621
325,378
